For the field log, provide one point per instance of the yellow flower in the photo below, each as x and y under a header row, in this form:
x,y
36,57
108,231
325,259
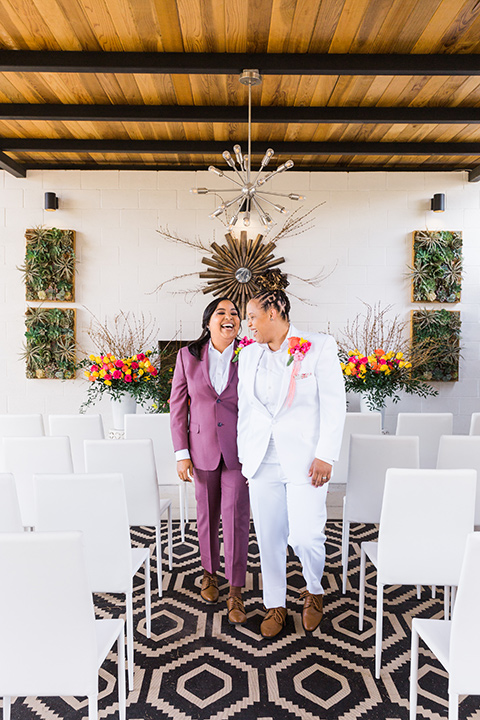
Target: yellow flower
x,y
102,373
342,365
140,373
408,365
399,355
92,358
401,364
107,382
348,371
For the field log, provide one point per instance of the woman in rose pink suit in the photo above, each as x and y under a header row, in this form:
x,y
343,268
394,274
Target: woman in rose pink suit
x,y
203,417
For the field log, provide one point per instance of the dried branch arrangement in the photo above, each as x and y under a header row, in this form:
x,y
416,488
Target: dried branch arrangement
x,y
127,334
374,329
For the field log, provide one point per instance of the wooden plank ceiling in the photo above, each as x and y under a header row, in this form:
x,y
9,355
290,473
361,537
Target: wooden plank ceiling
x,y
347,84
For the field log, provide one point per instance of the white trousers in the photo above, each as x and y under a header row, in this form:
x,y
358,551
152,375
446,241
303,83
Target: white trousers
x,y
284,514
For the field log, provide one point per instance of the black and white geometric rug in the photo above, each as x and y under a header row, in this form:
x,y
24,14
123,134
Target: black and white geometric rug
x,y
198,667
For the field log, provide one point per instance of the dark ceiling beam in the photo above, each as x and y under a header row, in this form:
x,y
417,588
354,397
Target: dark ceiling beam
x,y
233,63
12,167
233,114
213,147
343,167
474,174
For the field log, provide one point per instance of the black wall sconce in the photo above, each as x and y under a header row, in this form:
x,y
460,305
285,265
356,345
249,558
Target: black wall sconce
x,y
51,201
437,203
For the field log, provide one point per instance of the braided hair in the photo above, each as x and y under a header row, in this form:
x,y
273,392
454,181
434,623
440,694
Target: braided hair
x,y
271,292
195,347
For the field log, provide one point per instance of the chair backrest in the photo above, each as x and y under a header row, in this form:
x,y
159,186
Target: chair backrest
x,y
426,517
461,451
21,425
356,423
464,670
10,518
134,459
96,506
370,458
47,621
155,426
475,424
78,428
429,427
25,456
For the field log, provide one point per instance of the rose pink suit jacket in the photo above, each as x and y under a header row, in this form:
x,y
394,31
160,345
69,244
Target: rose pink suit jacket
x,y
208,426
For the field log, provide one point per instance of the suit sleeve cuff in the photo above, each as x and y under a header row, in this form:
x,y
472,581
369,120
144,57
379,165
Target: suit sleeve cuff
x,y
182,455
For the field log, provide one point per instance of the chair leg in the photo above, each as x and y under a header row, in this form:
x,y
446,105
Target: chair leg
x,y
414,675
419,592
122,696
379,630
361,606
7,707
148,598
130,660
186,501
345,548
92,707
452,706
446,602
170,537
453,598
159,560
181,499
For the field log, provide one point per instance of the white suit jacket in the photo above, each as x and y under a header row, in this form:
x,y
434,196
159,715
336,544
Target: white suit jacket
x,y
311,427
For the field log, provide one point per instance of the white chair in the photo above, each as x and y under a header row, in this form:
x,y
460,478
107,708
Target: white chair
x,y
134,459
429,427
51,642
370,457
356,423
426,517
475,424
10,518
157,427
96,506
78,428
461,451
455,643
21,425
25,456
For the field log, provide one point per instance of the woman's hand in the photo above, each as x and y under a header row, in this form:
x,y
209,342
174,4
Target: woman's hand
x,y
320,472
185,470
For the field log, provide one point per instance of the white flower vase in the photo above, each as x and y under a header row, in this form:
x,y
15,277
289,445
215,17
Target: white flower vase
x,y
365,408
125,405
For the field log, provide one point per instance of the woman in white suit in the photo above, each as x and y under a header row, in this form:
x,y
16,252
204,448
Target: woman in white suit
x,y
290,423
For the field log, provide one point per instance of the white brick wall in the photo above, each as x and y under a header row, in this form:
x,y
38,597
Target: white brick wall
x,y
362,233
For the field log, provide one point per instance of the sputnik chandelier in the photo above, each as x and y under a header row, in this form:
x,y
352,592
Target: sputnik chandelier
x,y
251,192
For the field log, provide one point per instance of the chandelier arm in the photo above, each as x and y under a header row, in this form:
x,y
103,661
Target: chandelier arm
x,y
264,199
227,177
235,199
268,192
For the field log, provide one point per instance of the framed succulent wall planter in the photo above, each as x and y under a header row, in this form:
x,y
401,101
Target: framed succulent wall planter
x,y
49,348
49,268
437,332
437,267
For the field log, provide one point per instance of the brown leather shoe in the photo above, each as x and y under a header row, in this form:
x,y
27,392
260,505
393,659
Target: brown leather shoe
x,y
312,610
273,622
209,590
236,610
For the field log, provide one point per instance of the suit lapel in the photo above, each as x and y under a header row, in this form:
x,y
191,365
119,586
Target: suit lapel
x,y
287,374
205,369
232,366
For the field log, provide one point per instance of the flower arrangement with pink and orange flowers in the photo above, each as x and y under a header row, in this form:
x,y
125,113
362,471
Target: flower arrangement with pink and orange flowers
x,y
385,364
243,342
119,369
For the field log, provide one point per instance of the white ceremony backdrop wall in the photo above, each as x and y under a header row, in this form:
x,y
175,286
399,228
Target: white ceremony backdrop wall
x,y
361,236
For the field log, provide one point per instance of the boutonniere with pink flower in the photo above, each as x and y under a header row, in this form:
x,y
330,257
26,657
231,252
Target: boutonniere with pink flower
x,y
297,349
242,343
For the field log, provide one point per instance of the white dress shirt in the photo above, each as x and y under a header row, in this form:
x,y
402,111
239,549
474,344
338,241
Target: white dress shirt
x,y
218,371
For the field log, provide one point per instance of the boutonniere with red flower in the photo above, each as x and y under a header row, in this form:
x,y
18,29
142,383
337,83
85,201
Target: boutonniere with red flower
x,y
297,349
242,343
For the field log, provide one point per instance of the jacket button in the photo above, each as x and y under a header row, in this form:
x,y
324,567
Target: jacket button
x,y
218,400
220,424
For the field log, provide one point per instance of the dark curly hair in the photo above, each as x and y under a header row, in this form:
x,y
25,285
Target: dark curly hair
x,y
195,347
271,293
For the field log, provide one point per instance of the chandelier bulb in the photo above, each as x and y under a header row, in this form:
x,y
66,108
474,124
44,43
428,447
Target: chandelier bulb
x,y
294,196
289,164
246,219
215,170
199,191
267,157
218,211
228,159
238,154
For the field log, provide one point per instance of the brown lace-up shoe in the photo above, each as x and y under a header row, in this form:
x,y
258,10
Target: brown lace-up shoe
x,y
273,622
236,610
209,590
312,610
